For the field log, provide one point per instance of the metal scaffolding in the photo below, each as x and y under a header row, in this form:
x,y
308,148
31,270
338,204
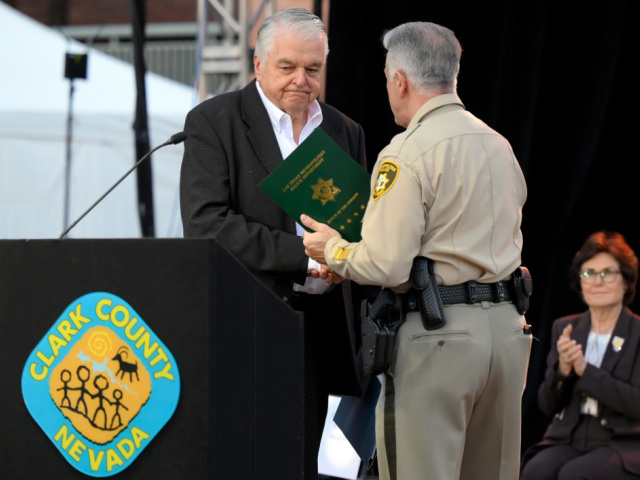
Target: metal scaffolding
x,y
225,63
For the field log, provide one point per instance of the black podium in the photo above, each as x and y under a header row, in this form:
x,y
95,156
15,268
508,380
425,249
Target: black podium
x,y
238,348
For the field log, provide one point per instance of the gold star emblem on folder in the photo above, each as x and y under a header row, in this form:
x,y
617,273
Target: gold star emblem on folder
x,y
325,191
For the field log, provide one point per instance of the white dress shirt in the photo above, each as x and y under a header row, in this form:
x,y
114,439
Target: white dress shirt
x,y
283,128
596,346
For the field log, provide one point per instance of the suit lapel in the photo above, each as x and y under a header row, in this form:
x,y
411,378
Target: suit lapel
x,y
581,330
260,133
332,129
263,140
621,331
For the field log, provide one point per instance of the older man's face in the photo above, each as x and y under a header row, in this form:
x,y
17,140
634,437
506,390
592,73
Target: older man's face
x,y
290,75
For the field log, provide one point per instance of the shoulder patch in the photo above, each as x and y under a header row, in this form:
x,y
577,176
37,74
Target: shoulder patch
x,y
386,178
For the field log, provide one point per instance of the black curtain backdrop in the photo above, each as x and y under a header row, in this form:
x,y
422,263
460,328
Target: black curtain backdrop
x,y
557,79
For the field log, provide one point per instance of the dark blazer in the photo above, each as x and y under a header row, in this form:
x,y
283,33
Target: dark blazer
x,y
230,149
616,386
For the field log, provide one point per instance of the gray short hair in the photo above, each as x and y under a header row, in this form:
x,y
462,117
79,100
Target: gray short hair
x,y
428,54
303,23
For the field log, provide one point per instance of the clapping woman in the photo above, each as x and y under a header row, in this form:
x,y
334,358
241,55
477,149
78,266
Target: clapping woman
x,y
592,381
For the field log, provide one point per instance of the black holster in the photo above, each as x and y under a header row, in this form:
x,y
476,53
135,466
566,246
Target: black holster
x,y
523,286
380,319
382,316
425,290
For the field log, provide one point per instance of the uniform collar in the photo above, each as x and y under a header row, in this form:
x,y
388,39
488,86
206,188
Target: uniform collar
x,y
434,104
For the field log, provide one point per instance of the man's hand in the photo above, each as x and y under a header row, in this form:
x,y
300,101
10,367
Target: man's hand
x,y
326,274
314,243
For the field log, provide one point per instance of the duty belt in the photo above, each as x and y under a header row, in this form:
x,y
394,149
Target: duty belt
x,y
474,292
428,297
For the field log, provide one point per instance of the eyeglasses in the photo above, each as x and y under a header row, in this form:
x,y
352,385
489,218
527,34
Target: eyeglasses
x,y
607,275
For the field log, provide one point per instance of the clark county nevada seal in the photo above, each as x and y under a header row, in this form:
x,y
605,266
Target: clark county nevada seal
x,y
100,384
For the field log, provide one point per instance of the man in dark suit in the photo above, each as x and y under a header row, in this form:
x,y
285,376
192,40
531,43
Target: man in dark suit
x,y
234,141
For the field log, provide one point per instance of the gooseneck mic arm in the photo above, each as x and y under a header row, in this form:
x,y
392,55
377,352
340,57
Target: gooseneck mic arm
x,y
175,139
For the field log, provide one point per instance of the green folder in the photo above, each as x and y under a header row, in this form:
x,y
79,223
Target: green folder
x,y
321,180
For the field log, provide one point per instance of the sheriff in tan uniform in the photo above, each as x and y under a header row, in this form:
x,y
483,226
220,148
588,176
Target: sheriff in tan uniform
x,y
448,188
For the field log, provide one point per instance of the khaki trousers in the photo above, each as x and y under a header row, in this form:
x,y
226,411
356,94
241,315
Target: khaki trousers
x,y
454,401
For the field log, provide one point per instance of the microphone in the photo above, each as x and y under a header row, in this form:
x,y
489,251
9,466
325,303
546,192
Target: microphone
x,y
175,139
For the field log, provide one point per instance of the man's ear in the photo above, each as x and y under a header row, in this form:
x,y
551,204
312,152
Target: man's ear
x,y
403,83
256,66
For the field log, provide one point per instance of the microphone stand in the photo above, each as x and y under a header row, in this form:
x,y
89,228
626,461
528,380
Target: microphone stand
x,y
174,140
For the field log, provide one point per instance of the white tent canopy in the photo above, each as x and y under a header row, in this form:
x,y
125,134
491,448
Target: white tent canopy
x,y
34,107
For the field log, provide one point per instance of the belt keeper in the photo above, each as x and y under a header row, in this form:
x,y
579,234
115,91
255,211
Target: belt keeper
x,y
500,291
472,292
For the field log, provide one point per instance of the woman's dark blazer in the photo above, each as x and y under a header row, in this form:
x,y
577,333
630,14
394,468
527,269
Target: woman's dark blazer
x,y
230,148
616,386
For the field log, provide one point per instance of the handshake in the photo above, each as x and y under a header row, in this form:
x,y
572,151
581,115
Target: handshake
x,y
314,244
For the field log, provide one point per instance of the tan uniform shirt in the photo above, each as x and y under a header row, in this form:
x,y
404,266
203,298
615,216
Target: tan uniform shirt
x,y
448,188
